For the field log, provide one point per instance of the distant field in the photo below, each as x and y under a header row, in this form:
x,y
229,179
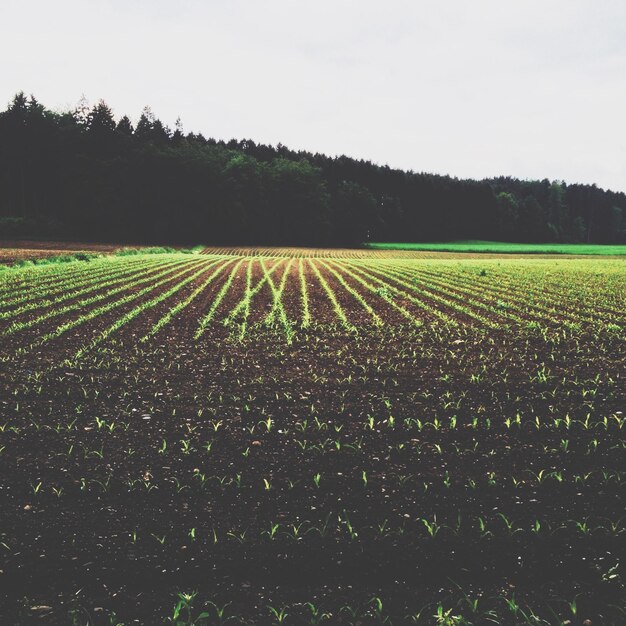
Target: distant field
x,y
435,440
25,253
29,250
499,247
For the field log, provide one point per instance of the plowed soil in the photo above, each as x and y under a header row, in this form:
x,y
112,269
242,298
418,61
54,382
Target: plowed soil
x,y
451,463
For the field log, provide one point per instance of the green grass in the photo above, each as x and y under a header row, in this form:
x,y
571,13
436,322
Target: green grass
x,y
506,248
158,250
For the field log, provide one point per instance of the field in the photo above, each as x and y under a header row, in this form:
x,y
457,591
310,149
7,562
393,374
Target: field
x,y
16,251
289,437
498,247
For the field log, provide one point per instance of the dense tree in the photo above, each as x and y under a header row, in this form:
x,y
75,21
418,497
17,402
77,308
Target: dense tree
x,y
532,220
356,212
508,215
145,125
178,134
125,126
100,118
617,224
81,174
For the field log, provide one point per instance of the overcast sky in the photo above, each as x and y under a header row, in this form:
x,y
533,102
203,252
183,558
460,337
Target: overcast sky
x,y
471,88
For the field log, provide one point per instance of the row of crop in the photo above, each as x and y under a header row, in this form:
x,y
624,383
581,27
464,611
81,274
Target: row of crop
x,y
221,294
478,525
183,304
517,294
383,292
54,308
358,450
464,607
23,278
431,303
506,302
181,269
143,307
434,295
53,274
304,296
308,253
446,297
481,297
405,489
240,313
74,290
337,308
36,288
522,484
524,487
54,279
586,283
536,428
246,301
368,285
81,304
278,307
358,298
592,282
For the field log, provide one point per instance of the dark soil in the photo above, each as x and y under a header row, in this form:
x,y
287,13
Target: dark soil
x,y
422,467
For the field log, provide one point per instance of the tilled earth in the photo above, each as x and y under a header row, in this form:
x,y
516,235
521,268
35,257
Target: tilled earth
x,y
382,474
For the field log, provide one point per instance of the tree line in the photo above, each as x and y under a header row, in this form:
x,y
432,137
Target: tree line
x,y
85,174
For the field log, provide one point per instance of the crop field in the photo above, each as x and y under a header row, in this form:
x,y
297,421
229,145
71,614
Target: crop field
x,y
299,437
15,251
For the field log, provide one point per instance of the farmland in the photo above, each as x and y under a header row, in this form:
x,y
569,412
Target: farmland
x,y
498,247
33,251
303,437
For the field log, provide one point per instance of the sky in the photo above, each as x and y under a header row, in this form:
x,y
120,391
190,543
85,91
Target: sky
x,y
480,88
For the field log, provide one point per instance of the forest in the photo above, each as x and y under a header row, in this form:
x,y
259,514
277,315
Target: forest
x,y
85,174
